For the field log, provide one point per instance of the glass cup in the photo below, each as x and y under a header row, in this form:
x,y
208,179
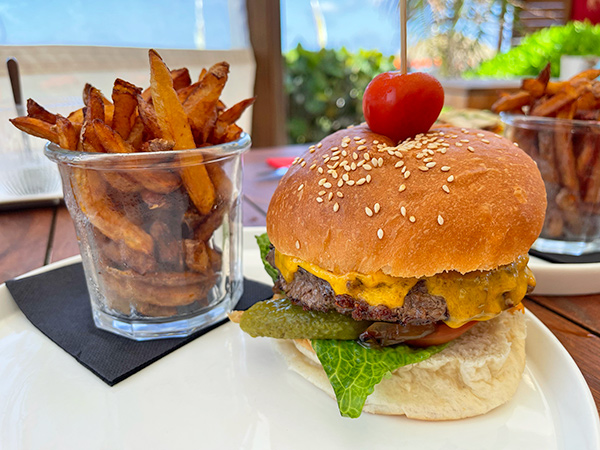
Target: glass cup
x,y
159,235
567,153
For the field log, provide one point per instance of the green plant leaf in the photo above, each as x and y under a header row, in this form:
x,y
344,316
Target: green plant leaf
x,y
354,370
264,244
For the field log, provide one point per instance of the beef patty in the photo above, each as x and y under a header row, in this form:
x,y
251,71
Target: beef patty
x,y
313,293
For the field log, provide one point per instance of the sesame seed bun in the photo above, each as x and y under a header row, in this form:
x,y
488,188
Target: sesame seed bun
x,y
452,199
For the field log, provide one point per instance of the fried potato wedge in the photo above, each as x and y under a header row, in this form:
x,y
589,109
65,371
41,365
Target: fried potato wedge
x,y
124,96
36,127
37,111
67,133
174,125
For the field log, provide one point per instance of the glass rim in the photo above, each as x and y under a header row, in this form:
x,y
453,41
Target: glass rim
x,y
139,160
538,122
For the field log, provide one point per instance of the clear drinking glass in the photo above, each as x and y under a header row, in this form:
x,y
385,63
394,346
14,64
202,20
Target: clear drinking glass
x,y
159,235
567,153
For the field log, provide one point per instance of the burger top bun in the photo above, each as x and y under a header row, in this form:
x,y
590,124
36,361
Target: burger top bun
x,y
476,373
452,199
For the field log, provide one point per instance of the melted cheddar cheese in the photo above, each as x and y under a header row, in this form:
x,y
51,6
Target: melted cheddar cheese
x,y
478,295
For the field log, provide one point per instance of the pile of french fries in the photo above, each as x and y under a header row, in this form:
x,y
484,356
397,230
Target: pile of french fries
x,y
151,228
567,153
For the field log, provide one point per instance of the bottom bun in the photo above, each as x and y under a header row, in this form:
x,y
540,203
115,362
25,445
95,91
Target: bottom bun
x,y
476,373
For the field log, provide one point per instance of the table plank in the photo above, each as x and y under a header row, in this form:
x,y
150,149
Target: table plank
x,y
64,242
584,310
24,238
259,191
583,346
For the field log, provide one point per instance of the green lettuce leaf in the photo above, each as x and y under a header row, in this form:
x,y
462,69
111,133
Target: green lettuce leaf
x,y
264,245
354,370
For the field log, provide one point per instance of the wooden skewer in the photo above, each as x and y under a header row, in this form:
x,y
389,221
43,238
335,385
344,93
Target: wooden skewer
x,y
403,33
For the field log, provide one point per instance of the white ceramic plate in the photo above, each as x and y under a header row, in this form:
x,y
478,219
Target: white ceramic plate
x,y
565,279
226,390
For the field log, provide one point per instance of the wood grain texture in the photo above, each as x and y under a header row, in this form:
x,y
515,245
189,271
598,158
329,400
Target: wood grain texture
x,y
64,242
583,346
24,237
584,310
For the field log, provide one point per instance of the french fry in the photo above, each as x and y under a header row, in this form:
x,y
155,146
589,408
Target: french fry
x,y
200,105
76,117
148,116
88,140
565,157
181,78
124,96
136,135
196,256
228,117
67,134
90,193
168,247
38,112
111,140
537,86
563,98
511,102
174,125
121,256
36,127
158,145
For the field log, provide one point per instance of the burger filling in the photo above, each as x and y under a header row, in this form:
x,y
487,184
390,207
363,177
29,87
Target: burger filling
x,y
420,311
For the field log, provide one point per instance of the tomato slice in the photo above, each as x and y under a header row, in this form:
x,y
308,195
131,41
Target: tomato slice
x,y
441,335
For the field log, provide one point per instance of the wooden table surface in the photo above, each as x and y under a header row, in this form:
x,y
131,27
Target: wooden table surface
x,y
30,238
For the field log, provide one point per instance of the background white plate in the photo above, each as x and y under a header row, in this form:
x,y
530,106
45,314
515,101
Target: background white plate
x,y
226,390
565,279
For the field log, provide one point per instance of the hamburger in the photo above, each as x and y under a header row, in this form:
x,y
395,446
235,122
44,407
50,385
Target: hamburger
x,y
400,269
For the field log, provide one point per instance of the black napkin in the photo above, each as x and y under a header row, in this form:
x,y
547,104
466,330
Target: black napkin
x,y
58,304
566,259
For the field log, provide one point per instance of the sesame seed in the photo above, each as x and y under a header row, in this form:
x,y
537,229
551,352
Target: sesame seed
x,y
361,147
322,192
368,166
402,187
368,178
347,167
339,194
303,163
412,219
445,168
380,162
471,149
311,147
440,220
375,141
344,144
403,211
399,164
330,196
361,181
431,164
403,169
428,159
340,183
446,189
345,177
336,207
516,145
337,152
458,144
298,245
485,141
374,162
322,181
466,141
344,153
357,138
353,165
480,135
319,145
360,163
376,208
300,187
311,150
327,185
334,174
320,170
368,211
419,155
350,182
313,166
380,233
367,156
450,178
406,174
319,200
335,158
423,168
354,155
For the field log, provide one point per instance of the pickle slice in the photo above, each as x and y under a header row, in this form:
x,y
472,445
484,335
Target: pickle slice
x,y
281,319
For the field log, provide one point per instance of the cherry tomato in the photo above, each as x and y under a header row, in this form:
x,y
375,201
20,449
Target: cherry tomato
x,y
402,105
441,335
